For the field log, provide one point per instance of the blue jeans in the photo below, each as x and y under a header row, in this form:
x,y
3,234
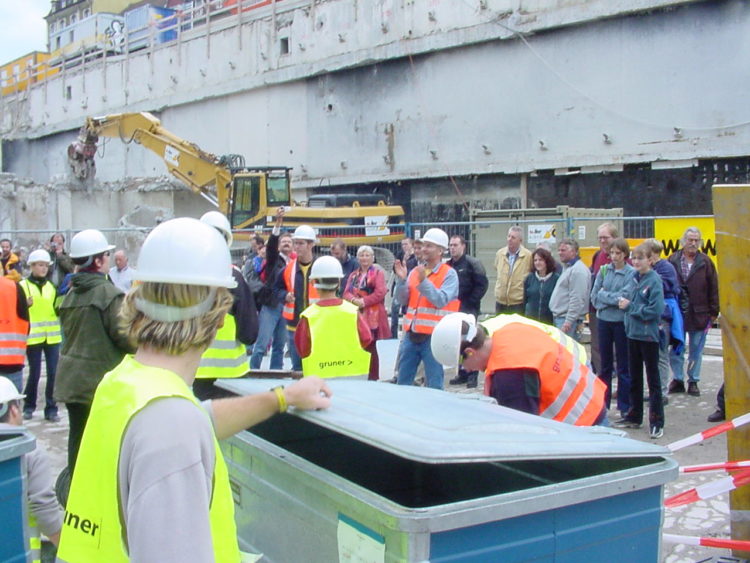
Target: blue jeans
x,y
271,329
573,332
17,378
410,354
612,335
34,354
293,354
697,339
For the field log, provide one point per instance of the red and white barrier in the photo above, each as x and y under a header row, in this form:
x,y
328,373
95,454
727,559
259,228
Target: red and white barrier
x,y
740,545
710,433
709,490
723,466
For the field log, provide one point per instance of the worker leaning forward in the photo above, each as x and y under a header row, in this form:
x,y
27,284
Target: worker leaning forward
x,y
226,357
294,286
431,293
331,335
529,366
151,483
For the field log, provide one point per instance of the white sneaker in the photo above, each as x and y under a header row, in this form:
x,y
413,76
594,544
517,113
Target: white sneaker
x,y
656,432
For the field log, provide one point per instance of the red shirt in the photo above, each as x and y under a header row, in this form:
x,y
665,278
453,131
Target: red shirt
x,y
600,259
302,335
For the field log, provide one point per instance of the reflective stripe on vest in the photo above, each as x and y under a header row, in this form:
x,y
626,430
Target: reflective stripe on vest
x,y
569,391
45,324
290,275
13,330
421,315
35,540
226,357
92,530
335,349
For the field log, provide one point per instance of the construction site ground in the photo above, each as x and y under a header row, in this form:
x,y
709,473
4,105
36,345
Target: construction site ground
x,y
685,415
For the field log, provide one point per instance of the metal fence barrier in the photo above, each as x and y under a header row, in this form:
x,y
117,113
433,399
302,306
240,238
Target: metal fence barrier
x,y
484,238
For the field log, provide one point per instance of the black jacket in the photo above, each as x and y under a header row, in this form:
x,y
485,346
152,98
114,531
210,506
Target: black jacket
x,y
472,283
244,311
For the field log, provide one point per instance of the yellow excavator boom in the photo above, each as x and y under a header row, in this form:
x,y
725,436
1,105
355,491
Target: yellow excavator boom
x,y
203,172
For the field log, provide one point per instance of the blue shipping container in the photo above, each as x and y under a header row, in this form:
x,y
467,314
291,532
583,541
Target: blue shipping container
x,y
14,541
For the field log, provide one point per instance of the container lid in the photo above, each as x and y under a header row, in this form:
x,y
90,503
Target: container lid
x,y
14,442
433,426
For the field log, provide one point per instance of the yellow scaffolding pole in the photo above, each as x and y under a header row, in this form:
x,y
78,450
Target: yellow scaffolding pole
x,y
731,207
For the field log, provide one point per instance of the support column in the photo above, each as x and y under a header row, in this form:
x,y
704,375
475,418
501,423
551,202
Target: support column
x,y
733,248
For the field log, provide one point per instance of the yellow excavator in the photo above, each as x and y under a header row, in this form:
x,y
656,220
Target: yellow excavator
x,y
247,195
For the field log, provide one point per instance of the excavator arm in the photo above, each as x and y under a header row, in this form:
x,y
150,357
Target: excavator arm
x,y
205,173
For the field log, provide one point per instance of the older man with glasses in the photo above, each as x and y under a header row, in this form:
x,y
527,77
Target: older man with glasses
x,y
700,308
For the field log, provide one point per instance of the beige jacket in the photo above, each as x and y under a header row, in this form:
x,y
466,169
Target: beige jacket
x,y
509,285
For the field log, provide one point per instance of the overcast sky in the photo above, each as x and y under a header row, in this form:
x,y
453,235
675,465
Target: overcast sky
x,y
24,28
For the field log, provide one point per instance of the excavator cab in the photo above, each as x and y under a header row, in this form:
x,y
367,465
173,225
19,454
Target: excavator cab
x,y
257,191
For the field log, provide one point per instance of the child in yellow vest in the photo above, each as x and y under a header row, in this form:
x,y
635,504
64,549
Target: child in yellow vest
x,y
331,336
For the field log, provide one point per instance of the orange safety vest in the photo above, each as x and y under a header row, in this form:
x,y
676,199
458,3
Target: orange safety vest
x,y
569,391
290,273
421,315
13,330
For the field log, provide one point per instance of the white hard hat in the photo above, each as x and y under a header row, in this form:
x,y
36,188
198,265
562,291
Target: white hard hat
x,y
446,338
89,243
436,236
326,267
8,391
304,232
218,221
39,255
185,251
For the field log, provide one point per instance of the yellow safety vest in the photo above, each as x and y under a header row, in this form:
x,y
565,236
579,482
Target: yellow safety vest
x,y
92,528
226,357
35,540
335,348
45,324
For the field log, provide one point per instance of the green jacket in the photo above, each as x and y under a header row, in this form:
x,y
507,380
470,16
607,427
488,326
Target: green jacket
x,y
92,342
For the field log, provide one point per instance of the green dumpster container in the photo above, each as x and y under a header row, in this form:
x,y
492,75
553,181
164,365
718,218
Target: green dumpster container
x,y
14,532
397,473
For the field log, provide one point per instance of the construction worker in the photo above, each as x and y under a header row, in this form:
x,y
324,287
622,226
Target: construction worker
x,y
45,514
151,483
430,293
14,330
331,335
44,335
295,287
94,342
529,366
226,357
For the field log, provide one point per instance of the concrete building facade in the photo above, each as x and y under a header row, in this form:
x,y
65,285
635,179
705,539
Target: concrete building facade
x,y
491,103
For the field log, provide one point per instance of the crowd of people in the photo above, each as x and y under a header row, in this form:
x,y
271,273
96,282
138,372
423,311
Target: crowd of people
x,y
104,330
643,311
